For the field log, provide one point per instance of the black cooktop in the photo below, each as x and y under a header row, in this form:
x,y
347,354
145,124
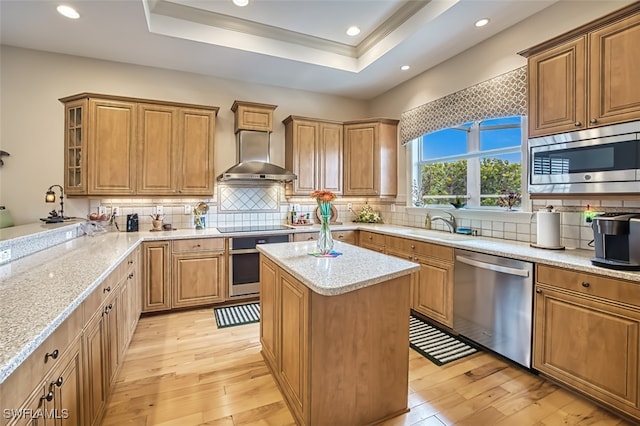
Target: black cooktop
x,y
256,228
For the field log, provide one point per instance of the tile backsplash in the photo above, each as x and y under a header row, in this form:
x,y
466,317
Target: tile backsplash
x,y
268,205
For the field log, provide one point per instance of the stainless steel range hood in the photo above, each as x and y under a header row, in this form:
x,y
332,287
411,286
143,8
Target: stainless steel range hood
x,y
253,160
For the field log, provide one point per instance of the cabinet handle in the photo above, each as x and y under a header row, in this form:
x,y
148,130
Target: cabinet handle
x,y
53,355
198,245
410,257
370,237
58,382
340,236
539,291
310,238
585,284
130,262
593,121
577,124
130,276
48,396
106,289
412,246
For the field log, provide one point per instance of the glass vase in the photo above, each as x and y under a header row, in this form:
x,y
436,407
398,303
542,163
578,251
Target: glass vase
x,y
325,239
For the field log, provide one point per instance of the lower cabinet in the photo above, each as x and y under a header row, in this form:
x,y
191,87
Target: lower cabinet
x,y
587,335
183,273
372,241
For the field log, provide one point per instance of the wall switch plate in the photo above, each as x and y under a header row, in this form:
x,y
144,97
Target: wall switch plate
x,y
68,235
5,255
187,209
102,210
159,210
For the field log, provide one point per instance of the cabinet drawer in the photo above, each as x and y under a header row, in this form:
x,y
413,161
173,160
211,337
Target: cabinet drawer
x,y
420,248
101,293
595,285
344,236
305,236
198,244
367,237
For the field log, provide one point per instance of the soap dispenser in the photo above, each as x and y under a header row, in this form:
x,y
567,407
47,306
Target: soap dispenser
x,y
427,221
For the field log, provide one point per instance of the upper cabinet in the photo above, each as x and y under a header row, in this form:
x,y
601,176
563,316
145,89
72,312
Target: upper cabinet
x,y
125,146
587,77
370,157
314,152
253,116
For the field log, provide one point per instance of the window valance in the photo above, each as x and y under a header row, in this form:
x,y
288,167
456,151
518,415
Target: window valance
x,y
501,96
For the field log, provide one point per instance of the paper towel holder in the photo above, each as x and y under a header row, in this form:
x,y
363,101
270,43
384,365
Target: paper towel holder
x,y
548,208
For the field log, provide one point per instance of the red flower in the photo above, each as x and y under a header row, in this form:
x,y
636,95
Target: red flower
x,y
326,196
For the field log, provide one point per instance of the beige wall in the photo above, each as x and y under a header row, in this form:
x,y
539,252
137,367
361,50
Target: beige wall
x,y
32,119
486,60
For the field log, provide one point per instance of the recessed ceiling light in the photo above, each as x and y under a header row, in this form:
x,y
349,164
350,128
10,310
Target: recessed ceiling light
x,y
241,3
405,67
68,11
481,22
353,31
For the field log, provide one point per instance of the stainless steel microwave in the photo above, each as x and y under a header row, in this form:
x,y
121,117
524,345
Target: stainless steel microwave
x,y
600,160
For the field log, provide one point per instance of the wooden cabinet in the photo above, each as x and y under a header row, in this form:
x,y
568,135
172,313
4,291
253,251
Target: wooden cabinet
x,y
343,236
372,241
156,266
309,343
587,335
253,116
183,273
127,146
587,77
370,157
197,275
432,292
131,297
314,152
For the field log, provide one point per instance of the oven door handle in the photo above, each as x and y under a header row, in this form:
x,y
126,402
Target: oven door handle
x,y
243,251
493,267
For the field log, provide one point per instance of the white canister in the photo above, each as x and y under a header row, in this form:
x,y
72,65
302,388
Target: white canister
x,y
548,228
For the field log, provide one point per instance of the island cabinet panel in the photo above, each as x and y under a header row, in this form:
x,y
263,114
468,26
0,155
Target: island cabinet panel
x,y
588,340
344,236
338,360
372,241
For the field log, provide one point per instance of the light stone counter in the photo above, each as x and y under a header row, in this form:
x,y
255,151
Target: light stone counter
x,y
355,268
38,292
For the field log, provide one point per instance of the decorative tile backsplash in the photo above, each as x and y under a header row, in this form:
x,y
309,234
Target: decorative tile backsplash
x,y
234,199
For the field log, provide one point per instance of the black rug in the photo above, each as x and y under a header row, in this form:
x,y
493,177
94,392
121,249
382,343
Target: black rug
x,y
438,346
229,316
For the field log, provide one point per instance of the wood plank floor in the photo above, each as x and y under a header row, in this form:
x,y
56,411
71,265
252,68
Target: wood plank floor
x,y
181,370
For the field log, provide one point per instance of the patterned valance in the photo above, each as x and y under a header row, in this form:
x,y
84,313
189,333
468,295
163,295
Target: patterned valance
x,y
502,96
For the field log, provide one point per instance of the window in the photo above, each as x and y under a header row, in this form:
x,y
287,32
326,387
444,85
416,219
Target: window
x,y
473,164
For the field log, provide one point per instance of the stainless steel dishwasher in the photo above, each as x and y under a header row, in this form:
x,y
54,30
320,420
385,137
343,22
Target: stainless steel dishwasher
x,y
493,303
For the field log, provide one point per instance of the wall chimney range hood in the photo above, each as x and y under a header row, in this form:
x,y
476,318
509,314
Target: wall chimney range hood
x,y
253,160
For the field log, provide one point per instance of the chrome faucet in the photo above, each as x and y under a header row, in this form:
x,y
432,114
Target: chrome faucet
x,y
451,223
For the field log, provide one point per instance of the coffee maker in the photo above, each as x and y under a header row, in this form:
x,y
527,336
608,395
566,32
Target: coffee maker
x,y
617,241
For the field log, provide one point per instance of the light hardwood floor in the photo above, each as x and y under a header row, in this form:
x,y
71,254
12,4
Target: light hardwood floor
x,y
181,370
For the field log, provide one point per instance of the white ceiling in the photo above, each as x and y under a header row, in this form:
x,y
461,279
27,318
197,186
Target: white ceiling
x,y
299,44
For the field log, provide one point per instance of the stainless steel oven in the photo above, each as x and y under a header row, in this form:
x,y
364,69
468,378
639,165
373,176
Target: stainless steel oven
x,y
244,262
599,160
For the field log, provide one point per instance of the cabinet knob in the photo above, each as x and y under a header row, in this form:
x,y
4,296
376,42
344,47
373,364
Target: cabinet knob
x,y
340,236
410,257
539,291
48,396
107,289
370,237
58,382
577,124
198,245
593,121
412,246
53,355
309,238
130,262
585,284
130,276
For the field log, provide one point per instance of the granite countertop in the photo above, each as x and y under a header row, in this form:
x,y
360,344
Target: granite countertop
x,y
38,292
355,268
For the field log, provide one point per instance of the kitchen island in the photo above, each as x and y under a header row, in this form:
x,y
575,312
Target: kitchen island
x,y
334,331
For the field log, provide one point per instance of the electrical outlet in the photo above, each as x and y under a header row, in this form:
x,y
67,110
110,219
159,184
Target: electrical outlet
x,y
102,210
297,207
159,210
187,209
589,215
68,235
115,211
393,208
5,255
349,206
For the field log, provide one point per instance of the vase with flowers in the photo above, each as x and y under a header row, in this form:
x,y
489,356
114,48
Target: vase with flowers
x,y
325,240
508,199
